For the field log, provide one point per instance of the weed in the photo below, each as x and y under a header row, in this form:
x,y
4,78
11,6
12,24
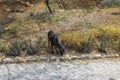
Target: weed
x,y
3,48
1,33
103,42
31,14
110,4
32,48
12,31
94,38
15,48
86,47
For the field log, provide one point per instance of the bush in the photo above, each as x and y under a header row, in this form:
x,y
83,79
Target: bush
x,y
86,47
12,31
110,3
15,48
0,33
3,48
118,45
85,40
103,42
32,48
31,14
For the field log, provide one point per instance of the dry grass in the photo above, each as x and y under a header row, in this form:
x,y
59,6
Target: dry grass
x,y
70,4
101,37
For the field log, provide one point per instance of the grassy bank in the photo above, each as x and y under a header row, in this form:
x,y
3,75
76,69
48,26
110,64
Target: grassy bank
x,y
102,38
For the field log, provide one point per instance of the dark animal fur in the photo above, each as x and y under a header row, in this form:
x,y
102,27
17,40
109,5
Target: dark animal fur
x,y
53,42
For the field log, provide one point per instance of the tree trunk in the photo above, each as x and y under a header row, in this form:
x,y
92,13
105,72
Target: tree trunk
x,y
47,3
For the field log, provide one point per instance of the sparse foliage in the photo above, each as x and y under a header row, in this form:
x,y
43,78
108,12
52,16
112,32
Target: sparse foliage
x,y
103,42
100,37
32,48
3,48
15,48
12,31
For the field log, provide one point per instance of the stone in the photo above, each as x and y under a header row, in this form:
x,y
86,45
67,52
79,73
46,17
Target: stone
x,y
108,56
30,58
42,59
61,58
117,55
96,56
114,55
74,57
84,56
19,59
53,58
7,60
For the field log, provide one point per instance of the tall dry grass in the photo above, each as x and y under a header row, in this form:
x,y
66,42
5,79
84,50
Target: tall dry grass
x,y
100,38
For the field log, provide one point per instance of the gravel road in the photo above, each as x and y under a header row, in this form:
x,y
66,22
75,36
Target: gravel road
x,y
94,70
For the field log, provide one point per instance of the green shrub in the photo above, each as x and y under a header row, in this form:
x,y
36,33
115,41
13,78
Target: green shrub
x,y
12,31
118,47
32,48
31,14
110,4
15,48
86,47
103,42
0,33
117,43
3,49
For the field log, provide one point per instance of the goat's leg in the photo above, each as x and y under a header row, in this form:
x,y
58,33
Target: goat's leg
x,y
61,50
52,49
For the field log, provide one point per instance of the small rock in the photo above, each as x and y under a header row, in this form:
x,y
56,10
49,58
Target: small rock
x,y
61,58
30,58
74,58
19,59
79,57
115,55
111,79
73,51
7,60
108,56
42,59
96,56
69,58
84,56
42,52
53,58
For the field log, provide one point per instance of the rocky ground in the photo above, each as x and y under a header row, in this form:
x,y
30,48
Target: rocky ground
x,y
76,70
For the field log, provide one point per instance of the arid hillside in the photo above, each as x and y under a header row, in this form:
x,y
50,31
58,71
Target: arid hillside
x,y
83,25
19,6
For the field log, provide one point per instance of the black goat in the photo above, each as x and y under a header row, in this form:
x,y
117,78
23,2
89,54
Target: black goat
x,y
53,42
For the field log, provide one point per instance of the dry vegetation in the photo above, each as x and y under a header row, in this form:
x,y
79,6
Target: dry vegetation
x,y
83,30
70,4
100,38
